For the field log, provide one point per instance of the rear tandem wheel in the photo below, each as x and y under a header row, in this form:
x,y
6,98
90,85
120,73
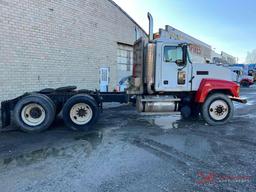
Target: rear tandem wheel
x,y
34,113
80,112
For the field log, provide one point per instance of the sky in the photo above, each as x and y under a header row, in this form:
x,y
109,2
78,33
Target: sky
x,y
226,25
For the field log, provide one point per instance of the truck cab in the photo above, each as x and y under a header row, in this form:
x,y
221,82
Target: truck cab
x,y
172,65
165,80
174,71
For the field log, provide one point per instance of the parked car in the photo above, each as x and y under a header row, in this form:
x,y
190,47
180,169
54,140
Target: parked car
x,y
252,73
240,77
246,81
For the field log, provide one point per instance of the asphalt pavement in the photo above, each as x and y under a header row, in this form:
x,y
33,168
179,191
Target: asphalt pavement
x,y
130,152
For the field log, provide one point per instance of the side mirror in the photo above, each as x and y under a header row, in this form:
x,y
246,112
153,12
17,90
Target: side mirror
x,y
180,62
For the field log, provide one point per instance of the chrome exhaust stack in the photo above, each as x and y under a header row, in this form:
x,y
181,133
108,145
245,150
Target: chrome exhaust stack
x,y
150,68
151,27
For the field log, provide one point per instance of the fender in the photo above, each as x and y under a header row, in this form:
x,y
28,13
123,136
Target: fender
x,y
209,85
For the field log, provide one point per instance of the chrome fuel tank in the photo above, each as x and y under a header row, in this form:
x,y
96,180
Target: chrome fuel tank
x,y
157,104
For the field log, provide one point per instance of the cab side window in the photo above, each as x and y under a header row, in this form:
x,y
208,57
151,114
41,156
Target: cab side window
x,y
172,54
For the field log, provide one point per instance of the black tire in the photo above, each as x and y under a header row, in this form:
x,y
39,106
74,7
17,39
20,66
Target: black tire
x,y
21,119
58,108
225,110
91,108
190,112
195,111
186,112
245,84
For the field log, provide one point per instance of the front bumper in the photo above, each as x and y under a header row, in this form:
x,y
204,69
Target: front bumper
x,y
238,99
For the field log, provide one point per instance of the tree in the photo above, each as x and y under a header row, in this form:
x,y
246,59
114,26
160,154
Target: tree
x,y
251,57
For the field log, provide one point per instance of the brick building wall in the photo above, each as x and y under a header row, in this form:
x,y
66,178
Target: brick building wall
x,y
53,43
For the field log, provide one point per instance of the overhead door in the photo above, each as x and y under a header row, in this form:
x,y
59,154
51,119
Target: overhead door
x,y
124,61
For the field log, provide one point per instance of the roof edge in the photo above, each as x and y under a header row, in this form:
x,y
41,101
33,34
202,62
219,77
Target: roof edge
x,y
188,35
116,5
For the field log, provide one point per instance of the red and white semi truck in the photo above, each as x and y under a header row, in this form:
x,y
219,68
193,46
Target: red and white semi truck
x,y
164,81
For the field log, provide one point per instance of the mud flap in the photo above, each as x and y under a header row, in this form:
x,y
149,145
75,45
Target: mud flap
x,y
5,115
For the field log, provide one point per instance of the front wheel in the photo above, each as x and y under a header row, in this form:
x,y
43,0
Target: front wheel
x,y
218,109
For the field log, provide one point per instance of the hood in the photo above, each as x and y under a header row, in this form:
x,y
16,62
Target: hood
x,y
213,71
210,71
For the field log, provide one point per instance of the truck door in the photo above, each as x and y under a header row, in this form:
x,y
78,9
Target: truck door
x,y
173,76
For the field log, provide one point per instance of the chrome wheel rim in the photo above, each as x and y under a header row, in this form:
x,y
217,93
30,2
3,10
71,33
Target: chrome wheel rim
x,y
81,114
33,114
219,110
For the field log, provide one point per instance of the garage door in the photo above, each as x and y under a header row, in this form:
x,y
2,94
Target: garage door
x,y
124,60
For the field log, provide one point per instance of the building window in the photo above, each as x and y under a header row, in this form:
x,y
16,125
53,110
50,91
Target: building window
x,y
124,59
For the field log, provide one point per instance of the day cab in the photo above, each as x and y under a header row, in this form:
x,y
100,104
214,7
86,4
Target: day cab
x,y
165,80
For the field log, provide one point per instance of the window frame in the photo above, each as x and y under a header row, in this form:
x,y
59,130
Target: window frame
x,y
163,56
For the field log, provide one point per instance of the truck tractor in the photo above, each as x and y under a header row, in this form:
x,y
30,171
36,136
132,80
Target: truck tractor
x,y
164,81
240,76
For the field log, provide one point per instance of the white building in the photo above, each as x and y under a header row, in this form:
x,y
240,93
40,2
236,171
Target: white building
x,y
200,51
223,58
